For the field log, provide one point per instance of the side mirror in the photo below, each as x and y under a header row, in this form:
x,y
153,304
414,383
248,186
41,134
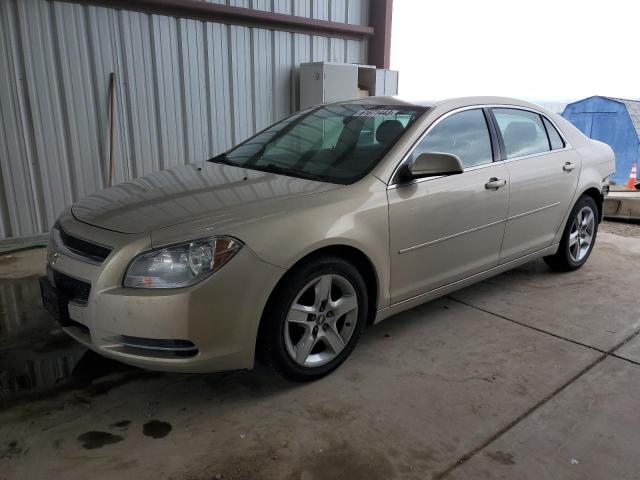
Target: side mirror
x,y
433,164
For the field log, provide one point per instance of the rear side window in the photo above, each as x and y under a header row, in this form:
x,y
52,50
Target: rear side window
x,y
522,131
464,134
555,140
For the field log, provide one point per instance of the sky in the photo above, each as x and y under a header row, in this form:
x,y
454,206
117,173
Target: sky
x,y
538,50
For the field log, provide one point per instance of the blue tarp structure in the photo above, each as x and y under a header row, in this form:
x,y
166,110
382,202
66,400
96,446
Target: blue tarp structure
x,y
614,121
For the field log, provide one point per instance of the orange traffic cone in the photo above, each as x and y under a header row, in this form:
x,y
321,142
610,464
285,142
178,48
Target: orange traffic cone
x,y
631,183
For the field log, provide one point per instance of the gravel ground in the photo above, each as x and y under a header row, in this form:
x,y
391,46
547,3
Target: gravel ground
x,y
624,229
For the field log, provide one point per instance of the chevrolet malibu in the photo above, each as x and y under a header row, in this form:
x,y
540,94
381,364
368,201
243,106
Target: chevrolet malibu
x,y
286,246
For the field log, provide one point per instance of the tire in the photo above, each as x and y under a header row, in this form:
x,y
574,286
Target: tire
x,y
300,317
567,258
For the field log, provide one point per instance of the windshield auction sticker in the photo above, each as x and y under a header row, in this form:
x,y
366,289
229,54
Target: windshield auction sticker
x,y
375,113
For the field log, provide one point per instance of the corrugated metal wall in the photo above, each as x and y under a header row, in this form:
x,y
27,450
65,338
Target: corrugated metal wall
x,y
187,90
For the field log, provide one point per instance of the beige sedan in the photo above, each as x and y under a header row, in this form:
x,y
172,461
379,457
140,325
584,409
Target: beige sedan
x,y
288,245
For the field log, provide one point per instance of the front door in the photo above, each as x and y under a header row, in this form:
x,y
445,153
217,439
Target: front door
x,y
444,229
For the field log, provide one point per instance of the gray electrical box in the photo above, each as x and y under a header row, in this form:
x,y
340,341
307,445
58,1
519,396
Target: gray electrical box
x,y
323,82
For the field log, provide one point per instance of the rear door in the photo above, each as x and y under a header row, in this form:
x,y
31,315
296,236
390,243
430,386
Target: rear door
x,y
543,172
443,229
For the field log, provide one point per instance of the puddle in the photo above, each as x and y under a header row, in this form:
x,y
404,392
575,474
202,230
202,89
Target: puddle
x,y
95,439
36,356
21,309
34,352
156,429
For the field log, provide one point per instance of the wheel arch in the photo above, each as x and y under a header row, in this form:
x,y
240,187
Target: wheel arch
x,y
597,197
590,191
351,254
347,252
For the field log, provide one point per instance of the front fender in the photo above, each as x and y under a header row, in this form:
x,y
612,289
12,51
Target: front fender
x,y
354,216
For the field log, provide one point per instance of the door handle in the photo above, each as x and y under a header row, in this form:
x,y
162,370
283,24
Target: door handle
x,y
495,183
569,167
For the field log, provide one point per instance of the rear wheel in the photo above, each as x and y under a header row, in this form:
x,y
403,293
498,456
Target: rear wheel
x,y
578,238
315,318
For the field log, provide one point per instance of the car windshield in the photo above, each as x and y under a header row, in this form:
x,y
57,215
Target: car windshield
x,y
337,143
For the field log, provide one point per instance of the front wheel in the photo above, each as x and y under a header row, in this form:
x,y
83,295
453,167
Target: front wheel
x,y
578,238
315,318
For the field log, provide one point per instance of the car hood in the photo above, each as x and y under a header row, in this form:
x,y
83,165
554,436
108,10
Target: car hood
x,y
189,192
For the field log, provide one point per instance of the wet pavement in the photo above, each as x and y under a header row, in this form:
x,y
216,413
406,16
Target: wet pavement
x,y
36,357
527,375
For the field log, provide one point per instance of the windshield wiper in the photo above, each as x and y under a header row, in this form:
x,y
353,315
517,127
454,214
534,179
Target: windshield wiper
x,y
222,158
273,168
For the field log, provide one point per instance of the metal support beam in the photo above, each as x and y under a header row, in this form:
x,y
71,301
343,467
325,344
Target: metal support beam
x,y
212,12
380,15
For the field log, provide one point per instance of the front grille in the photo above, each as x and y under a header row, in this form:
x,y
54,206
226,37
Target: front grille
x,y
74,290
91,251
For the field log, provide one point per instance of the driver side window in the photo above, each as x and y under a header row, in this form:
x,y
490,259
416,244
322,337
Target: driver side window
x,y
464,134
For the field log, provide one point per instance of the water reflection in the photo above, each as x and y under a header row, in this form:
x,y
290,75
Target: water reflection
x,y
20,308
36,357
32,369
35,354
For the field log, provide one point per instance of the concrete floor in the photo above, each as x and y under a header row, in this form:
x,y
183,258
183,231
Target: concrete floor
x,y
529,375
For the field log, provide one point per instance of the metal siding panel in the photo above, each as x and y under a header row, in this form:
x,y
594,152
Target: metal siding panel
x,y
21,210
357,12
338,11
239,3
43,99
103,43
194,84
320,9
219,100
100,64
123,163
79,109
320,49
140,91
302,8
354,52
282,74
262,74
5,220
261,5
168,98
338,47
283,6
241,79
186,90
301,53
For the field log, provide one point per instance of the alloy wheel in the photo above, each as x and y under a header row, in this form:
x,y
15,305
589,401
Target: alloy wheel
x,y
581,235
321,320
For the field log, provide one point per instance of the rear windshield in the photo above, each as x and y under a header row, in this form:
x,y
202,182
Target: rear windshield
x,y
331,143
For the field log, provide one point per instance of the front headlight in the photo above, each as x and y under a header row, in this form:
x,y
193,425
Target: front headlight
x,y
180,265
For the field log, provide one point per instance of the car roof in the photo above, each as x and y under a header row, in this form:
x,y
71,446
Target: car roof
x,y
455,102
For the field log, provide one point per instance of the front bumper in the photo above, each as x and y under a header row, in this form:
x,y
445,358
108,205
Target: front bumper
x,y
211,326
